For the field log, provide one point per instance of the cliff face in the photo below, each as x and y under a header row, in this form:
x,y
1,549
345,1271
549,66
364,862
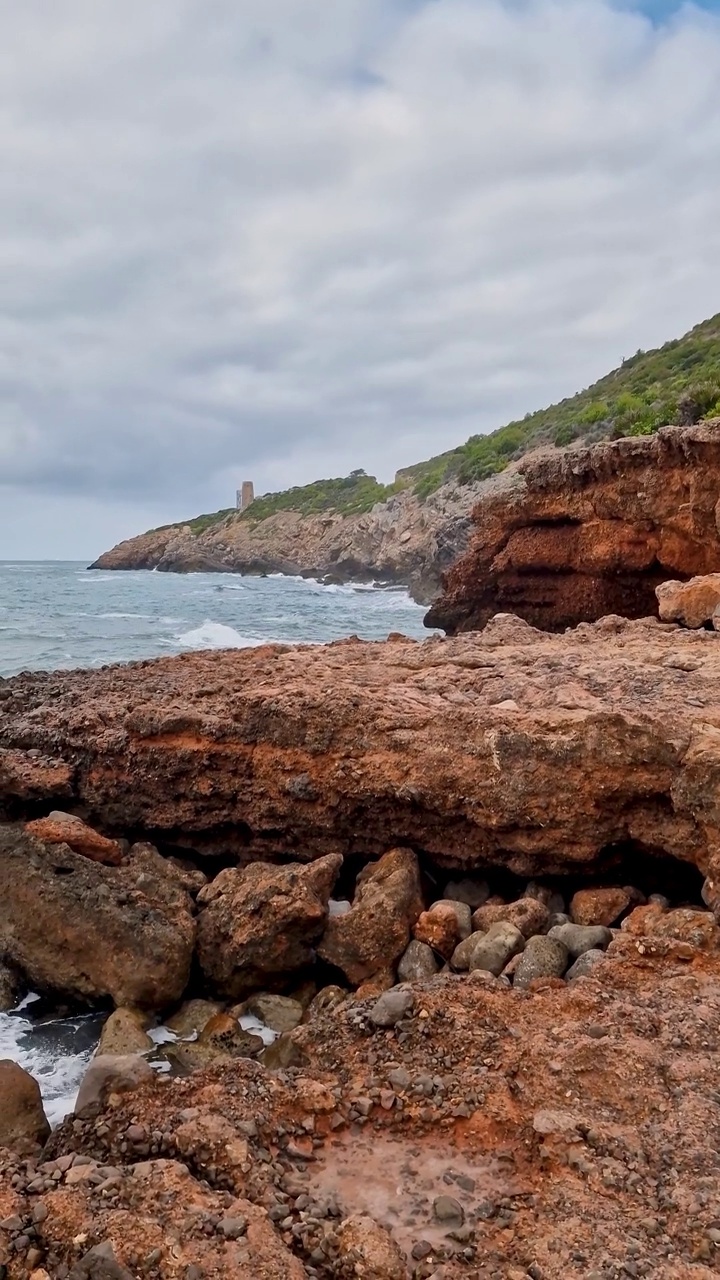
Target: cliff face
x,y
402,540
568,537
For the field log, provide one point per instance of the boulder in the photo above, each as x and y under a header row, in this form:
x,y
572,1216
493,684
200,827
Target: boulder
x,y
599,906
279,1013
376,931
259,923
529,915
392,1007
493,950
417,962
124,1033
367,1249
585,964
192,1016
542,958
89,931
461,956
579,938
443,926
692,603
146,859
23,1123
111,1074
65,828
221,1039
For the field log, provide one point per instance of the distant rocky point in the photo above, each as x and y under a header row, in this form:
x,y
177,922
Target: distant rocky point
x,y
411,532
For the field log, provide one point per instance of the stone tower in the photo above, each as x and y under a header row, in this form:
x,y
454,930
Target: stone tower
x,y
245,496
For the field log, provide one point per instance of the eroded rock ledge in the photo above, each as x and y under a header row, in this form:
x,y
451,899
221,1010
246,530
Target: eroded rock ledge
x,y
540,753
570,536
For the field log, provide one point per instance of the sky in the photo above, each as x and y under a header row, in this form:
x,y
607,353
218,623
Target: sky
x,y
281,239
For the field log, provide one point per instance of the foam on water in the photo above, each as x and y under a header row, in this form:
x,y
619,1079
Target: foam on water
x,y
56,1051
216,635
48,620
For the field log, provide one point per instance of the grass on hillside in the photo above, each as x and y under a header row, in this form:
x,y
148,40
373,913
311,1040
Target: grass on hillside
x,y
677,383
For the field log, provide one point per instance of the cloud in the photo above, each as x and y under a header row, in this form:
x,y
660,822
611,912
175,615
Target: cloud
x,y
281,240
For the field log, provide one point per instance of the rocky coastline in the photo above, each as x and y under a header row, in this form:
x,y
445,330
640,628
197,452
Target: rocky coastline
x,y
405,540
472,888
572,535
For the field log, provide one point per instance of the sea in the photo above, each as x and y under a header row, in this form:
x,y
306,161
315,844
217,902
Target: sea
x,y
56,615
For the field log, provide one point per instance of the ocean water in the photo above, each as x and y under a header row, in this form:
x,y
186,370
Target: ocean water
x,y
56,615
59,615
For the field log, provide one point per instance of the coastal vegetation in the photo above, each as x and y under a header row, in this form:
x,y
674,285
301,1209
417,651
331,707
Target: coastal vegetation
x,y
676,383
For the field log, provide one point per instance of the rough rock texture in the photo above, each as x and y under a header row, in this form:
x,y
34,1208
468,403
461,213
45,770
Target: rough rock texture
x,y
375,932
576,1127
124,1033
259,923
401,540
541,753
111,1075
23,1123
64,828
598,906
570,536
692,603
88,931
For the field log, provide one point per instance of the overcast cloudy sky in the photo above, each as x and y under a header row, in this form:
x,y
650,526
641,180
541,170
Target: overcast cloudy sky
x,y
280,239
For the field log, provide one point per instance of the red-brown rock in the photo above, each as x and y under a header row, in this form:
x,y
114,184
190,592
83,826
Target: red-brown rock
x,y
570,536
75,927
692,603
259,923
64,828
598,906
527,914
23,1123
444,926
374,933
510,747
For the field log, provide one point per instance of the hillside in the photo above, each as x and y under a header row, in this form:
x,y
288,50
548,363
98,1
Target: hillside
x,y
352,527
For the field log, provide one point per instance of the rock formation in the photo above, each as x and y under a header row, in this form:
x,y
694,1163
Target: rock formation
x,y
404,539
511,747
545,1131
71,925
259,923
569,536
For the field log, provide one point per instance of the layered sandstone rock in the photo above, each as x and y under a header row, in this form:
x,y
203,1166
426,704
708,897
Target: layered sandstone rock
x,y
569,536
543,754
73,926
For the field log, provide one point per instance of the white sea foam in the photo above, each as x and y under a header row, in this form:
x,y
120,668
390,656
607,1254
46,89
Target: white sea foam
x,y
55,1052
216,635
